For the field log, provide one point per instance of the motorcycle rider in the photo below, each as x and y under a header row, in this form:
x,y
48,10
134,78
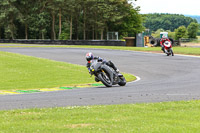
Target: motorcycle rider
x,y
89,57
162,41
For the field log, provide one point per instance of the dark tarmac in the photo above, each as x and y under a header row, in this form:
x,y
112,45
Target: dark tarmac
x,y
162,79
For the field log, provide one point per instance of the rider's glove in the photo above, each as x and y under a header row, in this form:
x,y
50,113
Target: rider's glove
x,y
88,65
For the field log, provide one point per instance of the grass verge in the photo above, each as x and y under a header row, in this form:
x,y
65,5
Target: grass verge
x,y
166,117
26,72
177,50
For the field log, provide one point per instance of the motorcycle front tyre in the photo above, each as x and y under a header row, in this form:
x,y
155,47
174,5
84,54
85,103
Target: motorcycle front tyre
x,y
103,81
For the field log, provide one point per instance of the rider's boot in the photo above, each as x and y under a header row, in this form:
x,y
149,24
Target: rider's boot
x,y
96,79
117,70
119,74
163,49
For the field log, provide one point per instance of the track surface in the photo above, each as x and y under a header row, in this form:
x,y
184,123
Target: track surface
x,y
162,79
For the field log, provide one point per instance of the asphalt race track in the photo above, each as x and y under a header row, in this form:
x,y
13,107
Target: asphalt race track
x,y
162,78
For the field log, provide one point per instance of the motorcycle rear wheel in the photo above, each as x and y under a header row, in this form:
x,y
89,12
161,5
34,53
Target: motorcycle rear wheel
x,y
122,81
172,52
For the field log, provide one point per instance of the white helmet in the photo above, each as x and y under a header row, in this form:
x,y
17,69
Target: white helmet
x,y
89,56
164,37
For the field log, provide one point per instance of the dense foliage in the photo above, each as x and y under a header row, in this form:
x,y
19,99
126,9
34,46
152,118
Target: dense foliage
x,y
192,30
166,21
181,32
67,19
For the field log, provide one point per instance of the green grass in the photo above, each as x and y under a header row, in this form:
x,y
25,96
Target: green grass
x,y
187,50
177,50
26,72
166,117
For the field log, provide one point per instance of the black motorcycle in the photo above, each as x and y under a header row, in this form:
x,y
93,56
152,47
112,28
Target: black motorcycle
x,y
106,74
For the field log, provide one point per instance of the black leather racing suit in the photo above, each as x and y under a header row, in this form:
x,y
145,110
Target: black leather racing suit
x,y
99,59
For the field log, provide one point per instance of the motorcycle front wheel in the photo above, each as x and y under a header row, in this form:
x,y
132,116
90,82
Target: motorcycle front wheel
x,y
105,79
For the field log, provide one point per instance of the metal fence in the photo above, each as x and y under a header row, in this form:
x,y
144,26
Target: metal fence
x,y
186,40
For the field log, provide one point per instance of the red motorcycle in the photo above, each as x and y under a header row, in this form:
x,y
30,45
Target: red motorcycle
x,y
168,48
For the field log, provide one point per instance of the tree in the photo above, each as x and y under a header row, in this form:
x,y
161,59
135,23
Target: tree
x,y
166,21
9,15
53,9
192,30
75,19
180,32
25,10
1,20
110,11
198,33
68,12
131,24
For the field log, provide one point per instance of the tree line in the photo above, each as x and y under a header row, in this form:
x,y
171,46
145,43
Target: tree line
x,y
166,21
67,19
181,32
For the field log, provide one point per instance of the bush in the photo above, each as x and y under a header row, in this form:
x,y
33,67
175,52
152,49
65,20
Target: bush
x,y
64,36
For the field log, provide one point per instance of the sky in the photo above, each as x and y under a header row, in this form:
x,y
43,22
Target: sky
x,y
186,7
